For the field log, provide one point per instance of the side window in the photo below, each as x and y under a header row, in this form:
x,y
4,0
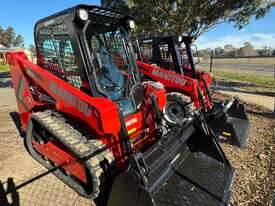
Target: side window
x,y
49,54
183,56
55,53
165,53
94,44
166,60
118,49
69,58
111,43
146,51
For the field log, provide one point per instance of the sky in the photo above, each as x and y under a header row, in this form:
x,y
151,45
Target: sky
x,y
259,32
22,16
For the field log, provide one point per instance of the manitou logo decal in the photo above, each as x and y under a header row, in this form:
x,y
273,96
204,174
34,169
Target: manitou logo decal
x,y
131,121
169,77
71,99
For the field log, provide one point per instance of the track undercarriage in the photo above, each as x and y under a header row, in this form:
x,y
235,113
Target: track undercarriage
x,y
82,163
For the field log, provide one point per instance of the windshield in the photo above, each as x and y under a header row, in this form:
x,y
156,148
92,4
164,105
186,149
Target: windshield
x,y
112,56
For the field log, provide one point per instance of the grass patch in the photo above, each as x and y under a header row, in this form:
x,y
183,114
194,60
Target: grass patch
x,y
268,81
259,60
4,68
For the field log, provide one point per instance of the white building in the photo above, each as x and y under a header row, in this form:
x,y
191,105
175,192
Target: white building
x,y
4,50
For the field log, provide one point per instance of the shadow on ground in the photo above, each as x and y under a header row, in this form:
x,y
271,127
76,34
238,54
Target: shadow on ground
x,y
263,114
5,80
16,119
11,189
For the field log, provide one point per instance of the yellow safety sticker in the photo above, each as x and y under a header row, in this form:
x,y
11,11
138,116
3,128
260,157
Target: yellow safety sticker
x,y
226,134
132,131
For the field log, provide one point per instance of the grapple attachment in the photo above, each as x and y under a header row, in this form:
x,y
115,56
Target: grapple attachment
x,y
230,124
185,167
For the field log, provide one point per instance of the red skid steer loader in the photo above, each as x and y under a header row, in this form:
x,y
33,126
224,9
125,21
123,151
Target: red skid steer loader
x,y
169,60
90,119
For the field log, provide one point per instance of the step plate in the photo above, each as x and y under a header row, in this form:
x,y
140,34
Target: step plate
x,y
199,180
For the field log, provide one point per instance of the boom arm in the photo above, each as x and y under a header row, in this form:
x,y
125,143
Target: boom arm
x,y
68,99
171,80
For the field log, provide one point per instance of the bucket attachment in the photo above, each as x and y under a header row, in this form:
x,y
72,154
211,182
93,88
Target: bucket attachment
x,y
230,123
185,167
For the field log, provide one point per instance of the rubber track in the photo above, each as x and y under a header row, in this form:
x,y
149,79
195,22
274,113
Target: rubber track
x,y
93,152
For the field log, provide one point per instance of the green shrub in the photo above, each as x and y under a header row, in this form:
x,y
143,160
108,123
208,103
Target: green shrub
x,y
4,68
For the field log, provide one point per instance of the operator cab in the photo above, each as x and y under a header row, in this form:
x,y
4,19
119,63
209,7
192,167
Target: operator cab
x,y
170,53
89,47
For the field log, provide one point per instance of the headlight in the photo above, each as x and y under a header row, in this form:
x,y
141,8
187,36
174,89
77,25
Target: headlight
x,y
132,24
83,14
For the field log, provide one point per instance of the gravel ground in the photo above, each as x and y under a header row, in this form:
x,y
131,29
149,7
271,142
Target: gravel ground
x,y
25,182
255,180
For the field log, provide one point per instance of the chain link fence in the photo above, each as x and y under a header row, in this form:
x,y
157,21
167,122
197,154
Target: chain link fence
x,y
252,78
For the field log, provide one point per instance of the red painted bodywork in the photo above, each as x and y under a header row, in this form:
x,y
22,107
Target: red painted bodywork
x,y
102,120
159,93
62,158
187,85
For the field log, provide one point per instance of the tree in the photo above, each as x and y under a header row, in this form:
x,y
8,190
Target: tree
x,y
230,50
18,41
114,4
7,37
1,33
32,49
205,53
247,50
177,17
265,51
232,53
219,52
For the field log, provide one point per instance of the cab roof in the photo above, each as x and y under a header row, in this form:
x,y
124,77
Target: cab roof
x,y
92,10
